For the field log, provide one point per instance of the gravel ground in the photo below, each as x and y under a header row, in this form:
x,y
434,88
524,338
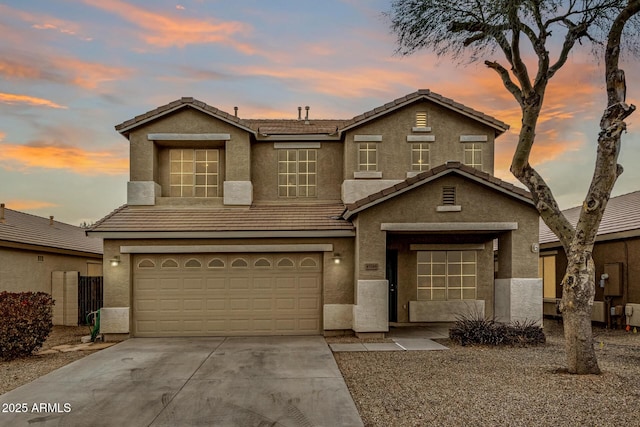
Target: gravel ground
x,y
17,372
482,386
463,386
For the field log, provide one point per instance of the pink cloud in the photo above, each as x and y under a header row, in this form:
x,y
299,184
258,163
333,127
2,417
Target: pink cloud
x,y
11,98
25,204
167,30
40,155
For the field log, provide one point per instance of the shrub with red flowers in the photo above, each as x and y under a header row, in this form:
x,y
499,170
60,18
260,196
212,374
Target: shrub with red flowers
x,y
25,322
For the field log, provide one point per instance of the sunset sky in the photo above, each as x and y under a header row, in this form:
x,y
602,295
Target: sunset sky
x,y
72,69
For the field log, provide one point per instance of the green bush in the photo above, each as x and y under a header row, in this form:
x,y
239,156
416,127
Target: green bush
x,y
474,329
25,322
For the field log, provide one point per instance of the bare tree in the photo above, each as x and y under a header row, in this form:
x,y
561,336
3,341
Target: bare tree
x,y
475,29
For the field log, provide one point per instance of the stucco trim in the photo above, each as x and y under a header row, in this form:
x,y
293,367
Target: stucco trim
x,y
188,136
367,138
421,129
294,145
218,234
448,226
189,249
446,246
474,138
367,174
303,137
421,138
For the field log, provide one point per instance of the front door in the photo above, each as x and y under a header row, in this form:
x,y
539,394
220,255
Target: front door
x,y
392,277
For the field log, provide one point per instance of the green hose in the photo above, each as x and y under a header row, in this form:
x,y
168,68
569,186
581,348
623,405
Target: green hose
x,y
96,325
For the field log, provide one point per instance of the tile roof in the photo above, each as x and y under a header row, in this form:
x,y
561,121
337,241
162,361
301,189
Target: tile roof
x,y
430,96
256,218
426,176
23,228
622,214
315,127
295,127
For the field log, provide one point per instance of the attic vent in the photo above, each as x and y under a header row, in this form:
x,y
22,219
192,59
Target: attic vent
x,y
448,196
421,119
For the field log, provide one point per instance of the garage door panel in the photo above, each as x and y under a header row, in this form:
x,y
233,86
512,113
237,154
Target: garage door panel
x,y
218,283
260,294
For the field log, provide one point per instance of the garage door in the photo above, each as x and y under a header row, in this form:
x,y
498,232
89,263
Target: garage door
x,y
227,294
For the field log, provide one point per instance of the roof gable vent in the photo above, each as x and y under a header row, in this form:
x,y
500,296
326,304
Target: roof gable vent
x,y
448,196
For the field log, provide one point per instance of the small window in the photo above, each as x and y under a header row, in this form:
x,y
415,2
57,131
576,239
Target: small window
x,y
308,263
40,258
368,156
421,119
448,196
473,155
262,262
239,263
216,263
285,262
146,263
193,263
420,157
169,263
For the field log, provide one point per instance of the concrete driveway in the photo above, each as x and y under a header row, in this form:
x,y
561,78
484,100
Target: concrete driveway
x,y
248,381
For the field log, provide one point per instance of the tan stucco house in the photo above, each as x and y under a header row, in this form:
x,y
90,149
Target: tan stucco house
x,y
33,247
269,227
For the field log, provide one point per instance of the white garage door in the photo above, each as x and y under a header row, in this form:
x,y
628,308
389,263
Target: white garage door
x,y
227,294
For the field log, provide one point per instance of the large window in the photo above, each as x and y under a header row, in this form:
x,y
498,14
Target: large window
x,y
447,275
297,173
367,156
194,173
420,157
473,155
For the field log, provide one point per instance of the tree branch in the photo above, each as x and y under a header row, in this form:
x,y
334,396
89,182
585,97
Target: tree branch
x,y
506,80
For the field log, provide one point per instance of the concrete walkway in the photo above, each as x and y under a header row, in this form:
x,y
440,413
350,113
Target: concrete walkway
x,y
253,381
414,338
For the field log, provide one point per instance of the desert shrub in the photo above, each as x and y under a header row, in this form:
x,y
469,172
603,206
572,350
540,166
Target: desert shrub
x,y
25,322
475,329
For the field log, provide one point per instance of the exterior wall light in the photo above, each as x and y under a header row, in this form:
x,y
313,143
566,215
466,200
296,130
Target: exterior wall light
x,y
115,261
336,258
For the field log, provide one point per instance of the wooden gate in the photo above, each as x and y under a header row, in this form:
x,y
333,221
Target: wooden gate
x,y
89,296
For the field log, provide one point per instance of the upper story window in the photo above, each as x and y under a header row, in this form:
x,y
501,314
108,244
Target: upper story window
x,y
297,173
473,155
194,173
420,157
368,156
421,119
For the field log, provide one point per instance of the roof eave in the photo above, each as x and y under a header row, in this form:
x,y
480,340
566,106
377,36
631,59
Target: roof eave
x,y
500,129
126,127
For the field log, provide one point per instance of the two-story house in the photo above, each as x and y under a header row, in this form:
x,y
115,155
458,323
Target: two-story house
x,y
248,227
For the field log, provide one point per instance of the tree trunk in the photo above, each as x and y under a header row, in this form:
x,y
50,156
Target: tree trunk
x,y
576,306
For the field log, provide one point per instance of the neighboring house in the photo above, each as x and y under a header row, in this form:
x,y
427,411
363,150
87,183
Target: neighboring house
x,y
32,248
616,255
242,227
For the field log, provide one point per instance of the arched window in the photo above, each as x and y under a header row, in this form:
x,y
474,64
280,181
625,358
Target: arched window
x,y
146,263
169,263
239,263
308,263
285,262
193,263
262,262
216,263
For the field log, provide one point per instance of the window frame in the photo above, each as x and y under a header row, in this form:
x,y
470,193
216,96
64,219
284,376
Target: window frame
x,y
189,173
420,149
439,272
368,149
297,173
475,151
